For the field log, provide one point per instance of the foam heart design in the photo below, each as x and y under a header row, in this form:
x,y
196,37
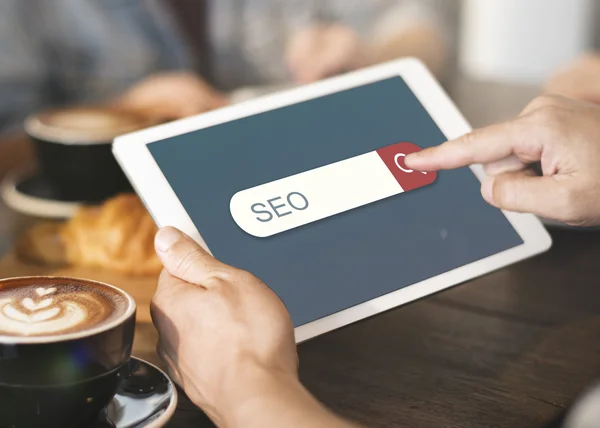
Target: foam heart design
x,y
45,316
29,304
16,315
45,291
47,310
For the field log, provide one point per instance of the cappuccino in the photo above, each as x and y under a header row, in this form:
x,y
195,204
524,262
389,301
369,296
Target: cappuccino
x,y
74,151
58,307
64,348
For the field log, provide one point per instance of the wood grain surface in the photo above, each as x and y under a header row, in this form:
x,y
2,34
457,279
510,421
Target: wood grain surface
x,y
511,349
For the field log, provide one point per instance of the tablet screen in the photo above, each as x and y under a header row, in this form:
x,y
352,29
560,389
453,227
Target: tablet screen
x,y
347,255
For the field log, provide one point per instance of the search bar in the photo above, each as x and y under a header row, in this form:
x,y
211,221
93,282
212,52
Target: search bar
x,y
295,201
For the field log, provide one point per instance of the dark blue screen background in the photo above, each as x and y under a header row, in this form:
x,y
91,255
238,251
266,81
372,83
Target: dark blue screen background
x,y
345,260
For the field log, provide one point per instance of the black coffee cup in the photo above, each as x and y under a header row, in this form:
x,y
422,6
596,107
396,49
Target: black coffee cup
x,y
73,147
66,378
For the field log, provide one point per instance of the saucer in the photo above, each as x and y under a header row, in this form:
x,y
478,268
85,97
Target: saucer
x,y
147,399
32,195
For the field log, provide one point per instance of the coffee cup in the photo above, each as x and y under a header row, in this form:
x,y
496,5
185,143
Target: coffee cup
x,y
64,343
73,148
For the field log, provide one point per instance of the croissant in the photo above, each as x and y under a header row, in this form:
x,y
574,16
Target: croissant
x,y
117,236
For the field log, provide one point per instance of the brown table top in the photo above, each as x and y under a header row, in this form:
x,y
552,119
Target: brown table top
x,y
513,348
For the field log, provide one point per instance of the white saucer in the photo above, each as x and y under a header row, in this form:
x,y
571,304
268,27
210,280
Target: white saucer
x,y
147,399
31,195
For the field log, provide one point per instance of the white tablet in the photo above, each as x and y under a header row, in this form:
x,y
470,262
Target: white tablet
x,y
307,189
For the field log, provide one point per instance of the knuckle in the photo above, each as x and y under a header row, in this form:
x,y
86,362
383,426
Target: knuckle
x,y
466,145
469,139
543,101
224,277
245,277
220,276
187,262
535,105
547,115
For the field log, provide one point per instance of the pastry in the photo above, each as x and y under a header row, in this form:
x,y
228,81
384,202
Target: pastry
x,y
117,236
42,244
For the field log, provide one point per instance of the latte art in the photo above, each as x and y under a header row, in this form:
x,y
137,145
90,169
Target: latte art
x,y
57,309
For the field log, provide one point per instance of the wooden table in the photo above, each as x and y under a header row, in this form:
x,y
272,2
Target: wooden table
x,y
512,349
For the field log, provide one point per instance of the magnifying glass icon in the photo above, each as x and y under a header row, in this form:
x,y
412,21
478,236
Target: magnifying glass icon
x,y
400,167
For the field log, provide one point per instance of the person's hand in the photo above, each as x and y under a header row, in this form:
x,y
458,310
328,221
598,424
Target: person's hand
x,y
562,134
171,96
223,333
228,341
580,80
322,51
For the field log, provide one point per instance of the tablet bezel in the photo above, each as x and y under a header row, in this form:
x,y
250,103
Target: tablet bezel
x,y
161,201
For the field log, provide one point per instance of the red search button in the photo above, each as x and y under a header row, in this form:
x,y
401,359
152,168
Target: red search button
x,y
393,157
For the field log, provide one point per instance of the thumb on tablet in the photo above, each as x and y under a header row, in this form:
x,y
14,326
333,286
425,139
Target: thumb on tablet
x,y
183,258
523,191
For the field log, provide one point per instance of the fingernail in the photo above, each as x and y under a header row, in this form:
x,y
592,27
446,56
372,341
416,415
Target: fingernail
x,y
165,238
487,189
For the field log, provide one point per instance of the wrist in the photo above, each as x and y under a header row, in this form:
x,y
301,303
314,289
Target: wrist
x,y
247,384
259,396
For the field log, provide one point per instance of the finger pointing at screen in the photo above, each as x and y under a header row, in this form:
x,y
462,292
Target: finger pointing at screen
x,y
562,134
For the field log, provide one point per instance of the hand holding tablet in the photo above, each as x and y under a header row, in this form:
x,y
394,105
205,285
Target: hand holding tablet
x,y
566,191
308,190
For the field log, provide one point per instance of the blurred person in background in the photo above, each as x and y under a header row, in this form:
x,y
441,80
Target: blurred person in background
x,y
170,59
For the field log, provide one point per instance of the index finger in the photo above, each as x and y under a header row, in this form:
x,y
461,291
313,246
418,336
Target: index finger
x,y
481,146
